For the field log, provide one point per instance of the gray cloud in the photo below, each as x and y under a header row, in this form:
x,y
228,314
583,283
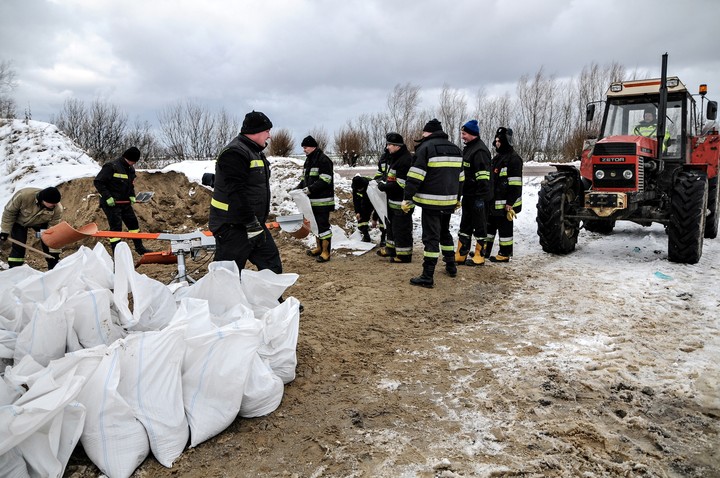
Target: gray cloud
x,y
322,63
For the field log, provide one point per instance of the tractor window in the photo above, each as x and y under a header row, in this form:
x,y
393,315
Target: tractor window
x,y
640,118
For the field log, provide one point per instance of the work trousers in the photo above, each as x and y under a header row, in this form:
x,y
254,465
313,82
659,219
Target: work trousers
x,y
436,235
17,252
399,233
498,224
473,222
117,216
322,218
232,244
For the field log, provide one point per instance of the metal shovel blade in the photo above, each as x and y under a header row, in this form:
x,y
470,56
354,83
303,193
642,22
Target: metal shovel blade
x,y
144,196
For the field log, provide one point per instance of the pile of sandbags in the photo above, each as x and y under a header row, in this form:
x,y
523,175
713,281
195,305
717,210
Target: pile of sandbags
x,y
97,353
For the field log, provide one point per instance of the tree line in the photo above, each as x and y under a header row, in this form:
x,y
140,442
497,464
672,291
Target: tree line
x,y
547,115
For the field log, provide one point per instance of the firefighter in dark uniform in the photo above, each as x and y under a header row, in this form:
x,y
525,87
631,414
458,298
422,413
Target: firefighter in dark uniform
x,y
507,170
476,191
434,183
399,231
364,209
30,208
381,175
115,183
319,186
241,199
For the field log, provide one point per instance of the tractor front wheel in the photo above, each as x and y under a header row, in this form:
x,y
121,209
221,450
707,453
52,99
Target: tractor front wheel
x,y
711,221
556,200
687,217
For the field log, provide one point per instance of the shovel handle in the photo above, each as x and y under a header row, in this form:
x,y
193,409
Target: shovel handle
x,y
30,248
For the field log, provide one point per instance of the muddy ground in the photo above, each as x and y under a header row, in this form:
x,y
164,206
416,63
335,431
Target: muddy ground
x,y
394,380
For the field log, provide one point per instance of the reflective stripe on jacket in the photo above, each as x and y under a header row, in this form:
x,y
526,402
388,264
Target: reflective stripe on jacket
x,y
435,178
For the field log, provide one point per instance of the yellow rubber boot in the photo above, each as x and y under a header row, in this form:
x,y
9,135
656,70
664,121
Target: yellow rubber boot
x,y
478,258
325,254
460,258
317,250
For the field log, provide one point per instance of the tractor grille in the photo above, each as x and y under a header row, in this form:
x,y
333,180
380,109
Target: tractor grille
x,y
613,176
605,149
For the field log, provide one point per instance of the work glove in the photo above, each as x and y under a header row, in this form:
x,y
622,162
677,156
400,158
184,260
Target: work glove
x,y
133,200
406,206
511,215
255,233
110,202
3,236
306,191
382,186
458,204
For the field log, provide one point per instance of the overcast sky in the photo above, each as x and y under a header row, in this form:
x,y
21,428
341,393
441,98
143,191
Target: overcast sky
x,y
321,63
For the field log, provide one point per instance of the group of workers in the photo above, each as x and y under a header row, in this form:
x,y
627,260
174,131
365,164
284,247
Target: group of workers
x,y
439,177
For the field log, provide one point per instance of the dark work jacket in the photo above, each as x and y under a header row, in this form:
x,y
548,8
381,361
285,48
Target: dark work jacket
x,y
361,202
507,170
383,165
476,163
115,180
242,184
397,174
318,178
435,177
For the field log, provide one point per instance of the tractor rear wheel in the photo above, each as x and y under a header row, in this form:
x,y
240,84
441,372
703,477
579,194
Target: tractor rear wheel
x,y
687,217
711,221
556,200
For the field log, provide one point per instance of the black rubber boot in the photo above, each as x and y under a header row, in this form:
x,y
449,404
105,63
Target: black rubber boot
x,y
426,278
450,266
139,247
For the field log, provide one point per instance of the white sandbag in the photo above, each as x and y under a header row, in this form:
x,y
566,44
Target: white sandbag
x,y
9,393
38,406
264,288
12,465
11,309
7,343
221,288
112,437
89,315
153,303
302,201
263,390
48,450
151,382
280,335
93,268
45,336
215,369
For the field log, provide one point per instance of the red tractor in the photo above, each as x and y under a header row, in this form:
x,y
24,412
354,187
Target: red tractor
x,y
641,170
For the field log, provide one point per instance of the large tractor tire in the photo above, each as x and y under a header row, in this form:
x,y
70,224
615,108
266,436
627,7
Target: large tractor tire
x,y
558,197
687,217
711,221
599,226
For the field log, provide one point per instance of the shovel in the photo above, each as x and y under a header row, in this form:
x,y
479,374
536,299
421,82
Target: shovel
x,y
29,248
140,198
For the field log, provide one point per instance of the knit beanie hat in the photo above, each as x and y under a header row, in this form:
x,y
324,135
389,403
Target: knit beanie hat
x,y
309,141
505,135
255,122
471,127
50,195
394,138
132,154
432,126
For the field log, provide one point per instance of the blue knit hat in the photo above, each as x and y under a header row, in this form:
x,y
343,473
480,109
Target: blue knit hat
x,y
471,127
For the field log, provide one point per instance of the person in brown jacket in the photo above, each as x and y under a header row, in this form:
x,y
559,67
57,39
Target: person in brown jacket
x,y
30,208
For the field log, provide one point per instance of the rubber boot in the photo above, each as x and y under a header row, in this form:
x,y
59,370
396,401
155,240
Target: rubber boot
x,y
478,257
499,258
317,249
139,247
383,236
461,253
325,254
54,261
426,278
450,266
365,234
383,252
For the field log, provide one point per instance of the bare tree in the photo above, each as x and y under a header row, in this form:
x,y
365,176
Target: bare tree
x,y
349,138
493,112
534,111
141,136
452,111
403,103
72,120
7,85
321,136
281,143
105,131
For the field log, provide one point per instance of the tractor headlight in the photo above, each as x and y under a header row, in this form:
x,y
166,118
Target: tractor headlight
x,y
628,174
599,174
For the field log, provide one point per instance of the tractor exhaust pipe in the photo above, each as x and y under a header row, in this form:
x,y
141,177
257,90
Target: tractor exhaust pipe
x,y
662,107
